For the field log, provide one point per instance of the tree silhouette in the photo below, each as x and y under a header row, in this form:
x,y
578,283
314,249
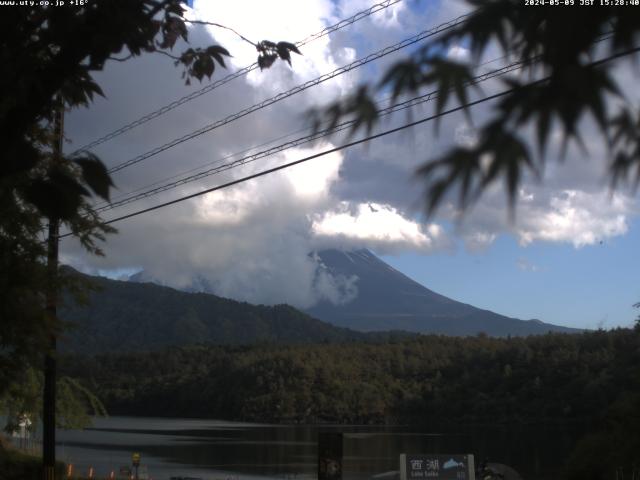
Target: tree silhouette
x,y
567,52
49,55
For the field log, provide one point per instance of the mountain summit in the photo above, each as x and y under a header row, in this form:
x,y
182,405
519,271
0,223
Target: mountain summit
x,y
389,300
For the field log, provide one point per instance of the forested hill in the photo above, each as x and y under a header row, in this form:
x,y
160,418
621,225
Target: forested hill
x,y
125,316
546,378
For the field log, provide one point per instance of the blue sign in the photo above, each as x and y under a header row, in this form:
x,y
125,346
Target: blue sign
x,y
437,467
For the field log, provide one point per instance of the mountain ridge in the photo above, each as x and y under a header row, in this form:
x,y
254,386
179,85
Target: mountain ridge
x,y
122,316
388,300
387,297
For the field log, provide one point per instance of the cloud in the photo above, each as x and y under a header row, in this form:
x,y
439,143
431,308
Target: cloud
x,y
336,288
243,232
526,266
377,226
466,136
544,214
313,179
458,53
478,240
387,18
575,217
253,241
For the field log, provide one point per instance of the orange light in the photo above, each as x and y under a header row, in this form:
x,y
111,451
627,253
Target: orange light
x,y
90,472
69,470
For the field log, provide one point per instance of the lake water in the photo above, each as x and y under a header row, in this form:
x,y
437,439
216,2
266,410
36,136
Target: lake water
x,y
213,449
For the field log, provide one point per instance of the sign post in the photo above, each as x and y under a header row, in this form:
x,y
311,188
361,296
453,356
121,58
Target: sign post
x,y
329,456
437,467
135,459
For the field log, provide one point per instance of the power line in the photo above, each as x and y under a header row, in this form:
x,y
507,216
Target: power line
x,y
310,157
118,198
296,142
353,143
148,191
348,21
299,88
122,198
244,71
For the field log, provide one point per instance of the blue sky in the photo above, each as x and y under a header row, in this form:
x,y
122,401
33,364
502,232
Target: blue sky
x,y
588,287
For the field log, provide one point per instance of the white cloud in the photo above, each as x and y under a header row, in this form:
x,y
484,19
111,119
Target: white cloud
x,y
526,266
575,217
476,241
390,17
543,214
313,178
378,226
466,135
458,53
225,207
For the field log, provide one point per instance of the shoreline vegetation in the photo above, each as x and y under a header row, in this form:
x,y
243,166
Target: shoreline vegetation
x,y
472,380
589,380
16,464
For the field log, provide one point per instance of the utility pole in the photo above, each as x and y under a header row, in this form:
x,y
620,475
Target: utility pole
x,y
49,394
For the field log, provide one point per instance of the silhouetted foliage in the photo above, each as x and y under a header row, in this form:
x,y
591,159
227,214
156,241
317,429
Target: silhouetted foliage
x,y
23,397
49,52
430,379
49,55
563,80
270,51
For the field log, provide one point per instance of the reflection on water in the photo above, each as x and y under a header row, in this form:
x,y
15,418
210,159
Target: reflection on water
x,y
217,449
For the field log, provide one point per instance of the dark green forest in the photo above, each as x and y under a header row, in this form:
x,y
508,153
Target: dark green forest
x,y
554,377
590,381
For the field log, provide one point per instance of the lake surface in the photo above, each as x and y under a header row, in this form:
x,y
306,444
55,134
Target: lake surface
x,y
213,449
